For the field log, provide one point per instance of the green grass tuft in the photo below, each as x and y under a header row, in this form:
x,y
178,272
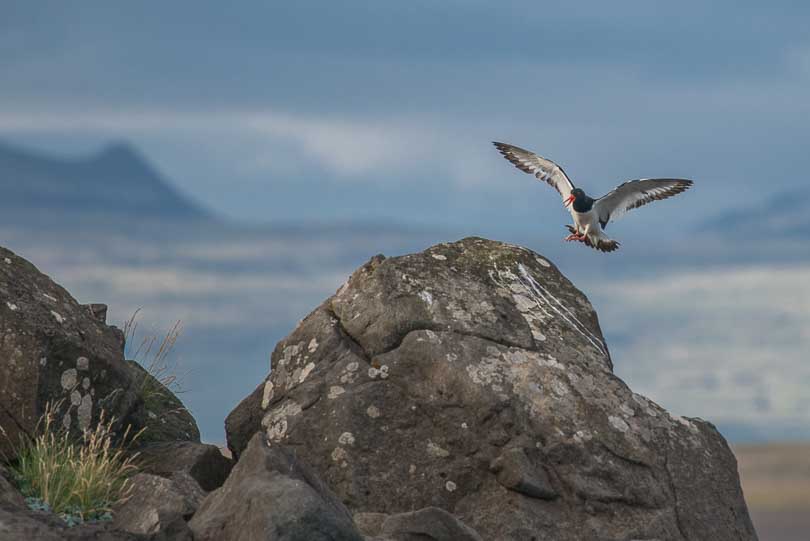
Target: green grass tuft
x,y
84,479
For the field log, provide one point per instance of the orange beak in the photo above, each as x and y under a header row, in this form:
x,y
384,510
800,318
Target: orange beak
x,y
569,200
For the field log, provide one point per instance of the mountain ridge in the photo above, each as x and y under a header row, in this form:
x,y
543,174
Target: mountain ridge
x,y
117,180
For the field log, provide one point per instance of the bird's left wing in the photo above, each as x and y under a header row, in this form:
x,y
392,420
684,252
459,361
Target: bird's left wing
x,y
543,169
635,193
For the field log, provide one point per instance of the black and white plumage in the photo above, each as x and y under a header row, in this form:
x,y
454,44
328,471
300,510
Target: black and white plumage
x,y
591,216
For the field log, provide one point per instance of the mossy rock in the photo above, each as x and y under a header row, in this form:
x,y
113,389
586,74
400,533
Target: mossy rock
x,y
165,418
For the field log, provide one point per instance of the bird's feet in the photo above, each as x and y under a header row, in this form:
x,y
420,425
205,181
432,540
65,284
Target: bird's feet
x,y
574,236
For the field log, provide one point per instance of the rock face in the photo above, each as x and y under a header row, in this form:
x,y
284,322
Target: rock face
x,y
473,377
271,495
55,350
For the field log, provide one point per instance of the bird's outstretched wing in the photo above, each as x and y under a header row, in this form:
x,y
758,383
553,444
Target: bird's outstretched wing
x,y
543,169
635,193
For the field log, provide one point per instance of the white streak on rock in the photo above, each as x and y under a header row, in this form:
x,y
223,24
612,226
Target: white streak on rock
x,y
618,423
12,306
58,317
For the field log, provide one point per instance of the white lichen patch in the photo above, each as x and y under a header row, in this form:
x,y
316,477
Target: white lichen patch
x,y
69,379
373,372
542,262
373,411
426,297
450,486
550,362
306,372
43,361
464,426
313,345
267,394
335,391
11,306
8,261
85,412
289,353
627,410
384,371
435,451
58,317
83,363
66,421
439,257
559,388
85,383
276,420
451,357
75,398
582,436
339,454
618,423
347,438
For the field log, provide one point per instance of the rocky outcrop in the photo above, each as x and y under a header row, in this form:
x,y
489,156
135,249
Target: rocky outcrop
x,y
473,377
202,462
163,416
159,508
55,350
271,495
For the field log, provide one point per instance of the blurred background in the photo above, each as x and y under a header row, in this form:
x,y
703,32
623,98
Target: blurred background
x,y
229,165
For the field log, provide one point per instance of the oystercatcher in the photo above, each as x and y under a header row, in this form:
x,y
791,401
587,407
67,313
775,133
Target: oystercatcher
x,y
591,216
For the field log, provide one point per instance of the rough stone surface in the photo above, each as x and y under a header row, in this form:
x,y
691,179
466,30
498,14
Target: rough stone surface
x,y
55,350
18,524
9,495
271,495
429,524
163,416
483,371
203,462
158,508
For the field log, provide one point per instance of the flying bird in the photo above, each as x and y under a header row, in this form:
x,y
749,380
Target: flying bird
x,y
591,216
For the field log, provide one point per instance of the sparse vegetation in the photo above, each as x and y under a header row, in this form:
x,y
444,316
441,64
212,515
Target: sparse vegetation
x,y
79,481
154,355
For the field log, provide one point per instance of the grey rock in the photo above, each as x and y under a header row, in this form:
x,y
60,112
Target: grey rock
x,y
204,463
52,349
515,471
55,350
429,524
370,524
99,311
9,495
23,524
272,495
158,507
163,416
450,359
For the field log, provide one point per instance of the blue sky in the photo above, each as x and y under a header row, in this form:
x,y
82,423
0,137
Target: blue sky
x,y
380,110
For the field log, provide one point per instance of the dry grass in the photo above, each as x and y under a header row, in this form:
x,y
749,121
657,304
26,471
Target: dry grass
x,y
85,478
154,354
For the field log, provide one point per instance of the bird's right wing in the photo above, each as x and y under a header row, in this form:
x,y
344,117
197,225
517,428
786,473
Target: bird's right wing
x,y
543,169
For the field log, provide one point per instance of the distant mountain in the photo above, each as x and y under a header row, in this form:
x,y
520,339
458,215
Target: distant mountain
x,y
786,216
115,183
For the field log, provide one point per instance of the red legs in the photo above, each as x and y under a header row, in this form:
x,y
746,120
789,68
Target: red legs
x,y
575,236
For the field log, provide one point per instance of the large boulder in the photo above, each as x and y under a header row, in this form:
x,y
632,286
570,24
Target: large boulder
x,y
56,351
271,495
474,377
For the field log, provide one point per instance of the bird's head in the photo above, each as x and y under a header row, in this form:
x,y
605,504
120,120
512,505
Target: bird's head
x,y
576,195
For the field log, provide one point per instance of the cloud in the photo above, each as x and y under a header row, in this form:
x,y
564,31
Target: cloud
x,y
727,344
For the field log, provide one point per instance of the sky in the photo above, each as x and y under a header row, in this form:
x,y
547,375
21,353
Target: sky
x,y
384,111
